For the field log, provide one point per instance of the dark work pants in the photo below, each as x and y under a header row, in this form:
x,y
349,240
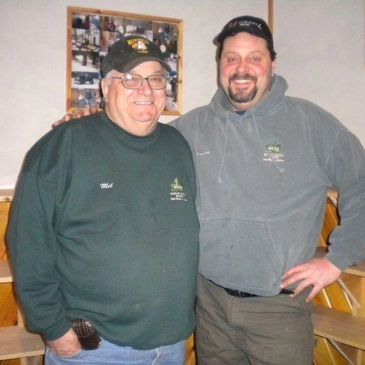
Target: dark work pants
x,y
257,330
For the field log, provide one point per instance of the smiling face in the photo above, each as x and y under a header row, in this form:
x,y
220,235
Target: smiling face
x,y
135,110
245,70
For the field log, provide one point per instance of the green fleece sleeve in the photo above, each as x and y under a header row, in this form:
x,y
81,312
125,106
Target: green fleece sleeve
x,y
32,245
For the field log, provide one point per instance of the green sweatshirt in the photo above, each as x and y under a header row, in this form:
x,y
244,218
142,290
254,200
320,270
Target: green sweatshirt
x,y
103,227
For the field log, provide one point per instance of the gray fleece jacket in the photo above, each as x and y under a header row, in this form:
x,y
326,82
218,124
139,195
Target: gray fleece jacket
x,y
263,179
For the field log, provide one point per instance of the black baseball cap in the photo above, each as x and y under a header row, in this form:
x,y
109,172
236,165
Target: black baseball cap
x,y
129,52
249,24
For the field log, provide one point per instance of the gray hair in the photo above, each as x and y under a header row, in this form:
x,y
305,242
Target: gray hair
x,y
108,76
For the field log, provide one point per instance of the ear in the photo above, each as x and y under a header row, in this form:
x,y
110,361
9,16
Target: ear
x,y
273,66
105,87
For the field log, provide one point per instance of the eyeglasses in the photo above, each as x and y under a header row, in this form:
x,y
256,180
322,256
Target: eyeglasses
x,y
135,81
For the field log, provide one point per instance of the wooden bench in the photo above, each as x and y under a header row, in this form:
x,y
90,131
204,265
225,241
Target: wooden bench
x,y
5,274
339,318
15,341
339,326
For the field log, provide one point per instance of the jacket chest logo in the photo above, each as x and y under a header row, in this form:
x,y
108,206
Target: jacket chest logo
x,y
177,191
273,152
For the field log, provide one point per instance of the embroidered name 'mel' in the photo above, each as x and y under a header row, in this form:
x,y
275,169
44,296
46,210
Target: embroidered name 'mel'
x,y
106,185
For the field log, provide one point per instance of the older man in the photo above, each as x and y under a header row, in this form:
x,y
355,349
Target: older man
x,y
103,234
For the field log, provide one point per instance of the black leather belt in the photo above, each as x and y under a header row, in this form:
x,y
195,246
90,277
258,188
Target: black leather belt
x,y
242,294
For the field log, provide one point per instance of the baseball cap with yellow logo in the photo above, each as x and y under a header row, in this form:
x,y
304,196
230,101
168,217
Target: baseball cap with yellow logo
x,y
129,52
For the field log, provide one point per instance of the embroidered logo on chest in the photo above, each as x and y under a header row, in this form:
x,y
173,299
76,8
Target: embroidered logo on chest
x,y
177,191
273,152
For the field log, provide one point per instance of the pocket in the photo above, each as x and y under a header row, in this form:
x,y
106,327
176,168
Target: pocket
x,y
299,354
52,356
240,254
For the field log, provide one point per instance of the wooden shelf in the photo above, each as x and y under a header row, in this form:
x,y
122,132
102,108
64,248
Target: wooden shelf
x,y
6,195
358,270
16,343
5,274
339,326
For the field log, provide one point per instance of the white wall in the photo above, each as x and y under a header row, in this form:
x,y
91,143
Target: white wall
x,y
33,61
321,47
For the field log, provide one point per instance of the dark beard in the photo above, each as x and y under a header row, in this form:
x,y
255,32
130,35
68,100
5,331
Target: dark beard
x,y
242,96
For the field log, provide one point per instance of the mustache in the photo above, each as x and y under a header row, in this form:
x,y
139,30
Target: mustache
x,y
242,76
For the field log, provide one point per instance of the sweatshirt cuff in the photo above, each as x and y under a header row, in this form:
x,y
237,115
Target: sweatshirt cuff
x,y
339,260
56,331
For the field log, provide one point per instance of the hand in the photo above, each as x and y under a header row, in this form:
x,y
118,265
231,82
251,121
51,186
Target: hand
x,y
75,115
66,346
317,273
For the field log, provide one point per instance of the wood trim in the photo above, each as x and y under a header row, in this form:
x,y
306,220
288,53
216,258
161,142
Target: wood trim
x,y
339,326
270,14
16,342
5,273
6,195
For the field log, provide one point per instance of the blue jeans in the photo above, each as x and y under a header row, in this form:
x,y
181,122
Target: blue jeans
x,y
109,353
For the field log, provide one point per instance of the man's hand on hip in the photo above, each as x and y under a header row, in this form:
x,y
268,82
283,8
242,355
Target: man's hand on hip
x,y
317,273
